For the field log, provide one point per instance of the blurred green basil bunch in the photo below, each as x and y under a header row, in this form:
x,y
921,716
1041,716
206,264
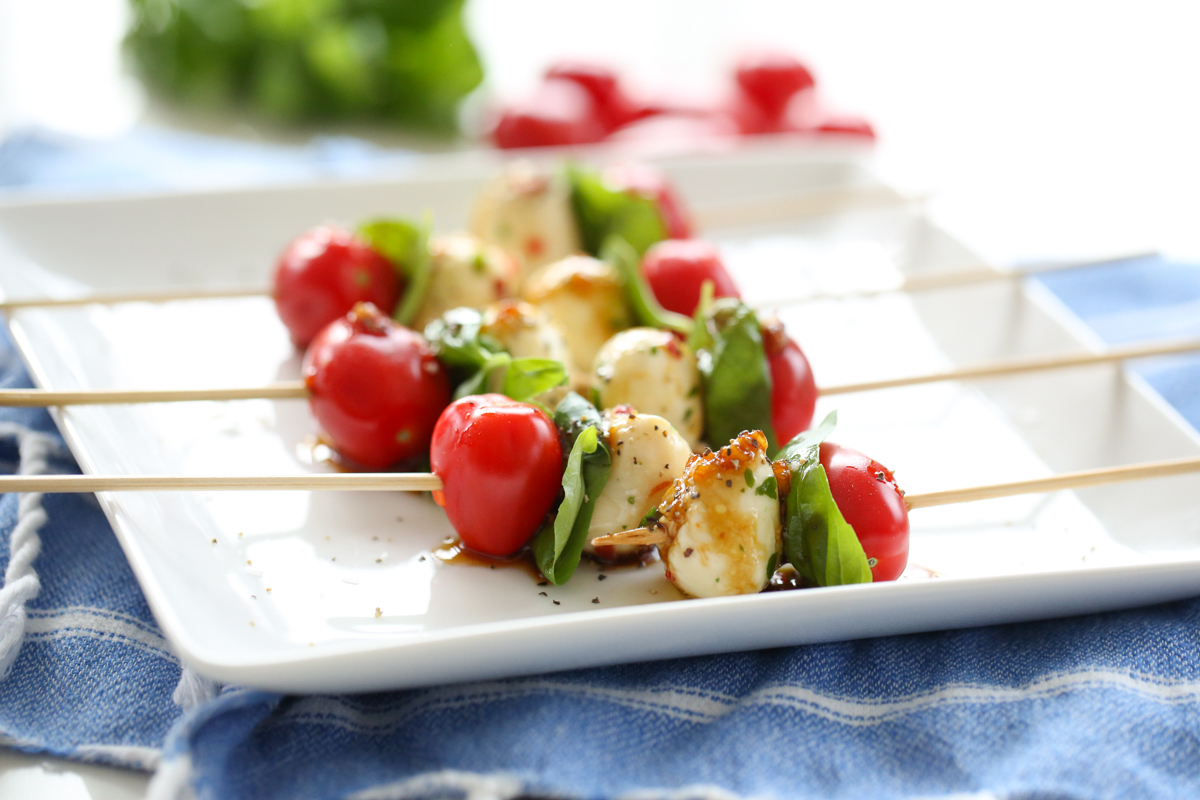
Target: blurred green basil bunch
x,y
407,61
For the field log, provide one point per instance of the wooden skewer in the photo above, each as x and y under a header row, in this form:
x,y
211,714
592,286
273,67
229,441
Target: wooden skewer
x,y
756,210
920,282
113,298
351,482
636,536
947,279
296,390
425,482
1014,366
1052,483
291,390
784,207
422,482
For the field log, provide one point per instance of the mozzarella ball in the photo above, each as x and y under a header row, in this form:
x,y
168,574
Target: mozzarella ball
x,y
524,331
722,521
527,213
647,456
464,272
549,399
656,373
583,298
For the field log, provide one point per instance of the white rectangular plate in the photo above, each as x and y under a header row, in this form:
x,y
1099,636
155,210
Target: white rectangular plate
x,y
332,592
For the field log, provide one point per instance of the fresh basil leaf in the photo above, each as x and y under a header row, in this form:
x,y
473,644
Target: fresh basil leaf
x,y
699,338
558,547
573,415
625,260
471,356
804,445
817,540
601,211
397,240
526,378
737,377
458,341
477,383
406,245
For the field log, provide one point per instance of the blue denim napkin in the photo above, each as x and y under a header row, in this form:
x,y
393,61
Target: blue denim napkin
x,y
1142,298
1098,706
159,159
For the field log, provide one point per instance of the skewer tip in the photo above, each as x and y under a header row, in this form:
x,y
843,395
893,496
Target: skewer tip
x,y
634,536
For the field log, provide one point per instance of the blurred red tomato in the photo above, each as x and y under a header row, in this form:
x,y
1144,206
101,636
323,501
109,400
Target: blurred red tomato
x,y
560,112
321,275
677,268
612,105
651,183
770,79
847,125
806,113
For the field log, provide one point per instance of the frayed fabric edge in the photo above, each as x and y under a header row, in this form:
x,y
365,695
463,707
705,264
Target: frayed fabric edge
x,y
172,781
21,583
446,784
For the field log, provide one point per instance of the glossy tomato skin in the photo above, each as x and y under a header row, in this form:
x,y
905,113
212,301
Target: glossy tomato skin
x,y
561,112
376,388
500,462
650,183
869,499
322,273
677,268
793,389
770,79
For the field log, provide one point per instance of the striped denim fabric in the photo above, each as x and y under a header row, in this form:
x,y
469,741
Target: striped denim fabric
x,y
93,678
1097,706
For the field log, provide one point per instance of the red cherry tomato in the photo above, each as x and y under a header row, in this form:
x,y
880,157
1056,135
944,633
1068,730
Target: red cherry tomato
x,y
770,79
323,273
869,499
377,389
793,390
612,106
677,268
650,183
752,120
561,112
500,462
